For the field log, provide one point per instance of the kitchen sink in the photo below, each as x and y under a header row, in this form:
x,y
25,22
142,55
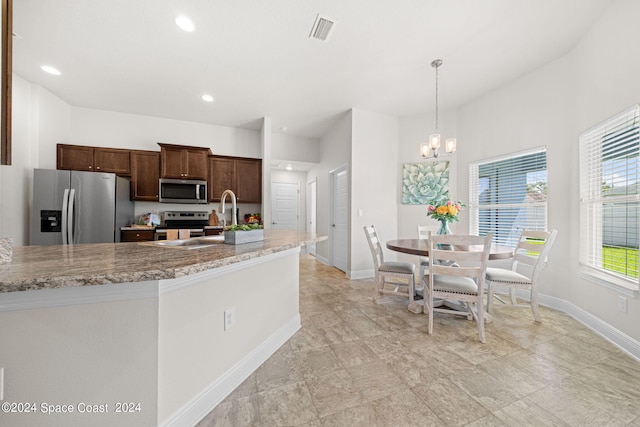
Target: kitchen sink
x,y
193,243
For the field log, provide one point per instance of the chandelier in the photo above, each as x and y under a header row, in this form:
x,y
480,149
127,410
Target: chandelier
x,y
430,148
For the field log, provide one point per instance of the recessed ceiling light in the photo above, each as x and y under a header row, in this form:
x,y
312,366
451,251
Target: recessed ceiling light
x,y
289,167
283,128
185,23
208,98
51,70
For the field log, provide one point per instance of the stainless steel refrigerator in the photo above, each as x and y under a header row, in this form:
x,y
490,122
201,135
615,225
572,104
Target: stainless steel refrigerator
x,y
71,207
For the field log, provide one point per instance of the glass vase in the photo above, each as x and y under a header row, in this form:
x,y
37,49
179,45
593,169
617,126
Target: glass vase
x,y
444,227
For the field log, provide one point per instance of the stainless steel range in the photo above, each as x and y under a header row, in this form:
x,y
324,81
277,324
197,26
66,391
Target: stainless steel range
x,y
194,221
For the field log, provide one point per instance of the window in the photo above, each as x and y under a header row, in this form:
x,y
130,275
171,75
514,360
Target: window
x,y
507,195
609,199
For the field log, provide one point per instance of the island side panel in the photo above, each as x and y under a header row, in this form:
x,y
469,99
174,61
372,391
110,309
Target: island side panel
x,y
197,356
77,355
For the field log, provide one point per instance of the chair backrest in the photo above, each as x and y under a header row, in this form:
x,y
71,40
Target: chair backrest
x,y
423,230
374,245
459,255
533,249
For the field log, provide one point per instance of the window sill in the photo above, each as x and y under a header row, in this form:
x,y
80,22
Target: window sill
x,y
621,286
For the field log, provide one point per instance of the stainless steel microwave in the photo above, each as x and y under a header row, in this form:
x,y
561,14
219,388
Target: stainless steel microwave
x,y
183,191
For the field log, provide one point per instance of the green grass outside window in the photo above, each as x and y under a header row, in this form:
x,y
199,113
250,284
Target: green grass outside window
x,y
620,260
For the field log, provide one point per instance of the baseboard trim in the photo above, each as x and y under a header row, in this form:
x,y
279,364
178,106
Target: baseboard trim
x,y
322,259
204,402
616,337
362,274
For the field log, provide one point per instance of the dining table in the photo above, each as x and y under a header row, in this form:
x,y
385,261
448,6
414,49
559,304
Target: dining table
x,y
420,247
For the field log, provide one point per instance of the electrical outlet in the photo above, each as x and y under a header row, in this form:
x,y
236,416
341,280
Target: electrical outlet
x,y
229,318
622,304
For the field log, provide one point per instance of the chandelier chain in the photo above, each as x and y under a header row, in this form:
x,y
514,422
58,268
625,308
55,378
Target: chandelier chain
x,y
436,67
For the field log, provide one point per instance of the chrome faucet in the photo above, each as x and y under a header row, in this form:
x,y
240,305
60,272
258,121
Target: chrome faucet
x,y
234,219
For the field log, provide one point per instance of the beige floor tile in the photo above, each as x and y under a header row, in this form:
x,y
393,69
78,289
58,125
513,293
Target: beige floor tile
x,y
404,409
308,339
477,353
572,353
489,421
289,405
450,403
512,375
573,406
524,413
357,361
375,380
334,392
338,333
490,392
354,353
280,369
233,412
318,362
358,416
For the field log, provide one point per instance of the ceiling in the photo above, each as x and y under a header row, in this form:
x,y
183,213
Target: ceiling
x,y
257,60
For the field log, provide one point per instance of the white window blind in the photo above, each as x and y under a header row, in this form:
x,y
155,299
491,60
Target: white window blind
x,y
609,199
508,194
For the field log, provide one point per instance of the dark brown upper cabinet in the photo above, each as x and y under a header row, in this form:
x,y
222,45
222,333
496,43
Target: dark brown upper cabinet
x,y
94,159
183,162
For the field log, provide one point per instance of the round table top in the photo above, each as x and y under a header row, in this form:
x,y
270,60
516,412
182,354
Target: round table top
x,y
421,247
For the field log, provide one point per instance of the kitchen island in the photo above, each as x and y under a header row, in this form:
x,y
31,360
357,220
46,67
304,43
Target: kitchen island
x,y
141,335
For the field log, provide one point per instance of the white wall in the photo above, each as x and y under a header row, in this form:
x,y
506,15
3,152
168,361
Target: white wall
x,y
296,148
15,179
121,130
335,151
374,184
550,107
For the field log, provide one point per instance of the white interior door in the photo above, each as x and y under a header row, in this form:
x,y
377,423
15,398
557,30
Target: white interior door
x,y
339,233
311,213
285,205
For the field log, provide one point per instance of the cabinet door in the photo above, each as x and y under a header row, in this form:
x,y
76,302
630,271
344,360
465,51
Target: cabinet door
x,y
145,175
172,163
196,164
221,177
249,181
74,157
112,160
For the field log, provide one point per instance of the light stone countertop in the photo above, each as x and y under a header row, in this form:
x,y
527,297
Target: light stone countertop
x,y
45,267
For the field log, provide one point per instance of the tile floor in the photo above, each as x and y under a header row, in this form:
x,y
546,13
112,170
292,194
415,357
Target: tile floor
x,y
356,362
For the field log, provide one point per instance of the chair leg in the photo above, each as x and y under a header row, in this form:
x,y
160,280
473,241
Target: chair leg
x,y
512,292
428,306
489,298
534,305
480,319
377,287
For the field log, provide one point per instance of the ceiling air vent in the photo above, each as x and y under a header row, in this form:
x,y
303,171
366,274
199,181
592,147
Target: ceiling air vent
x,y
322,28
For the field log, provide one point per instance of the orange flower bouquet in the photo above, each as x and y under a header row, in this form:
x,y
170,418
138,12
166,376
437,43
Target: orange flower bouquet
x,y
445,212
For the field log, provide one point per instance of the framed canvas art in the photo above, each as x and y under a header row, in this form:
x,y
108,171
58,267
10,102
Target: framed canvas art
x,y
425,182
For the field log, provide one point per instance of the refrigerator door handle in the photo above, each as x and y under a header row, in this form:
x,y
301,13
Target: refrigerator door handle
x,y
71,218
65,214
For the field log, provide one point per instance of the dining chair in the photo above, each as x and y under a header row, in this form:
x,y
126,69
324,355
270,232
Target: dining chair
x,y
423,233
532,250
391,277
457,268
